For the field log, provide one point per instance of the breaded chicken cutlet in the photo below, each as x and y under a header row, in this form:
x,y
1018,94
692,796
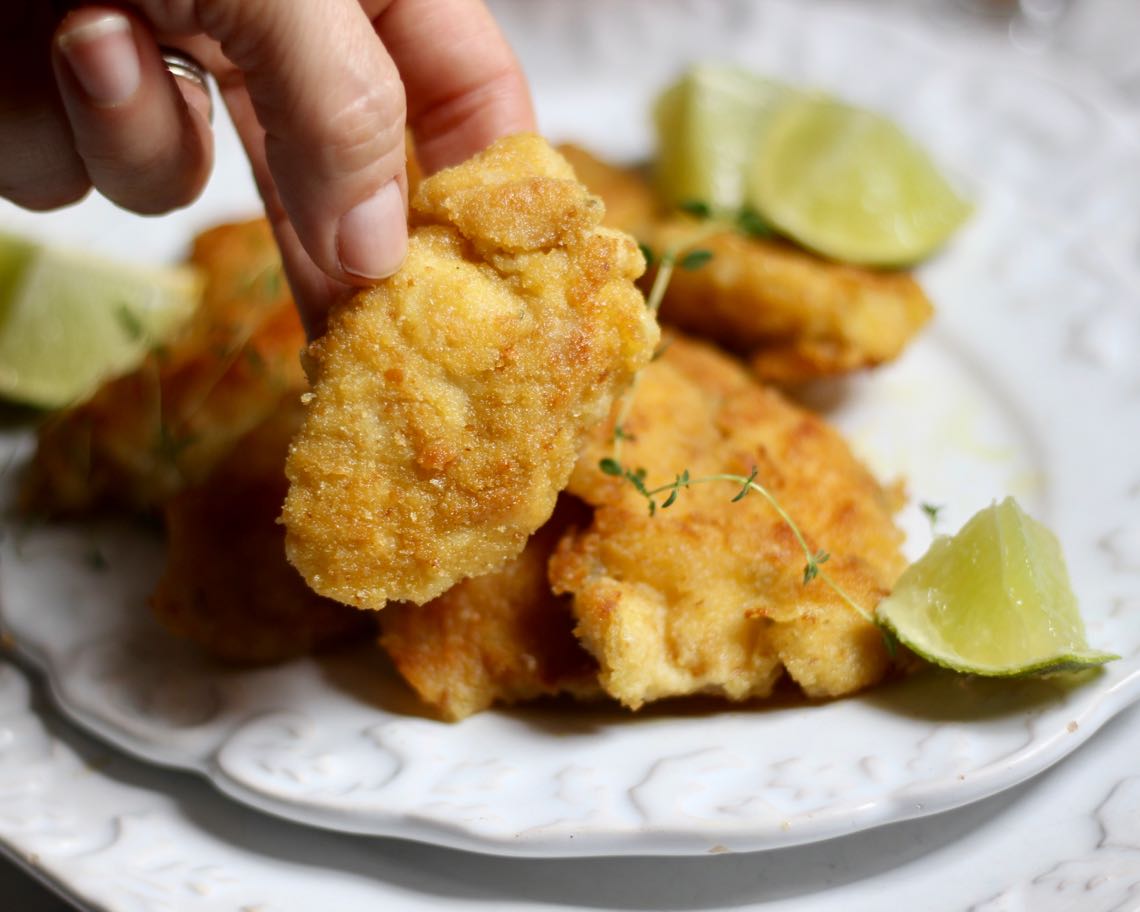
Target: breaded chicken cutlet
x,y
708,595
500,638
450,401
227,585
704,597
147,435
794,315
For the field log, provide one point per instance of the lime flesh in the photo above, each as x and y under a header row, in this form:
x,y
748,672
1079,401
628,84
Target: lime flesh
x,y
851,185
69,321
995,600
708,124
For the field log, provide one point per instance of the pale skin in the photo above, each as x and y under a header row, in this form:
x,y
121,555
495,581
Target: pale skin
x,y
320,92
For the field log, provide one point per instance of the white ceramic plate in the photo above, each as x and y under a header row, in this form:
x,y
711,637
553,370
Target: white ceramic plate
x,y
123,837
1025,384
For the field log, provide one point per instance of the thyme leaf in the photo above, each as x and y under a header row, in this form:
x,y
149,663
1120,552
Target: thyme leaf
x,y
699,208
611,466
751,223
931,511
695,259
813,560
129,323
691,257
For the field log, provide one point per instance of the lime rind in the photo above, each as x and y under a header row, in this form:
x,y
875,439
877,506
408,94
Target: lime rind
x,y
1057,664
993,600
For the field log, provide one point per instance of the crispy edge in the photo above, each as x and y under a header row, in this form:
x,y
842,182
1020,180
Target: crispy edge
x,y
500,638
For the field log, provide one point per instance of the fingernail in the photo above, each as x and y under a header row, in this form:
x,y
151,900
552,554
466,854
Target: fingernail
x,y
372,237
102,54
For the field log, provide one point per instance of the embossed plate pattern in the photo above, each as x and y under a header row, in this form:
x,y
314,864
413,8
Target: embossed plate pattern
x,y
1025,384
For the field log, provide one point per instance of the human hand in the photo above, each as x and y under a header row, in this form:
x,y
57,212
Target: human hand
x,y
319,91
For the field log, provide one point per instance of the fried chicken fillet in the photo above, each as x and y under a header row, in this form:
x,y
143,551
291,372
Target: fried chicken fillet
x,y
147,435
227,585
708,596
500,638
450,401
794,315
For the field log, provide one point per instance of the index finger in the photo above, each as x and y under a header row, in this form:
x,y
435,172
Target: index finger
x,y
463,83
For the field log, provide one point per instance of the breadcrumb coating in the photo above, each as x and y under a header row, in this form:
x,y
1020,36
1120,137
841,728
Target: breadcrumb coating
x,y
500,638
450,401
707,596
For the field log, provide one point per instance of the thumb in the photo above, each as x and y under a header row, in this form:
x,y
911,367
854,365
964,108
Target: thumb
x,y
331,104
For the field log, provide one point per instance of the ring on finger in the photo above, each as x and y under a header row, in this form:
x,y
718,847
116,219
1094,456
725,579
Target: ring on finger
x,y
182,66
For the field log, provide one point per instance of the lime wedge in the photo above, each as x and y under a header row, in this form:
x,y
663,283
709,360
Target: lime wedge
x,y
707,128
69,320
994,600
851,185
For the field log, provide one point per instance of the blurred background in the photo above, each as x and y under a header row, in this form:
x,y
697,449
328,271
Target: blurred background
x,y
1099,34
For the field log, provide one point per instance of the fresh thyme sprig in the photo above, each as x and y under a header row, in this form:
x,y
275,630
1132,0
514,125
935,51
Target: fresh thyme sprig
x,y
695,259
689,256
932,512
746,220
698,208
748,484
686,255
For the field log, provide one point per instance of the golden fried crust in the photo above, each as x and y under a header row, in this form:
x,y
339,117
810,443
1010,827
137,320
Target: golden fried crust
x,y
500,638
794,315
450,401
707,596
227,585
147,435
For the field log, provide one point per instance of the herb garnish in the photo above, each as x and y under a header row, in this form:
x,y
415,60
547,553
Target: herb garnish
x,y
695,259
129,323
746,220
752,223
612,465
699,208
931,511
748,484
